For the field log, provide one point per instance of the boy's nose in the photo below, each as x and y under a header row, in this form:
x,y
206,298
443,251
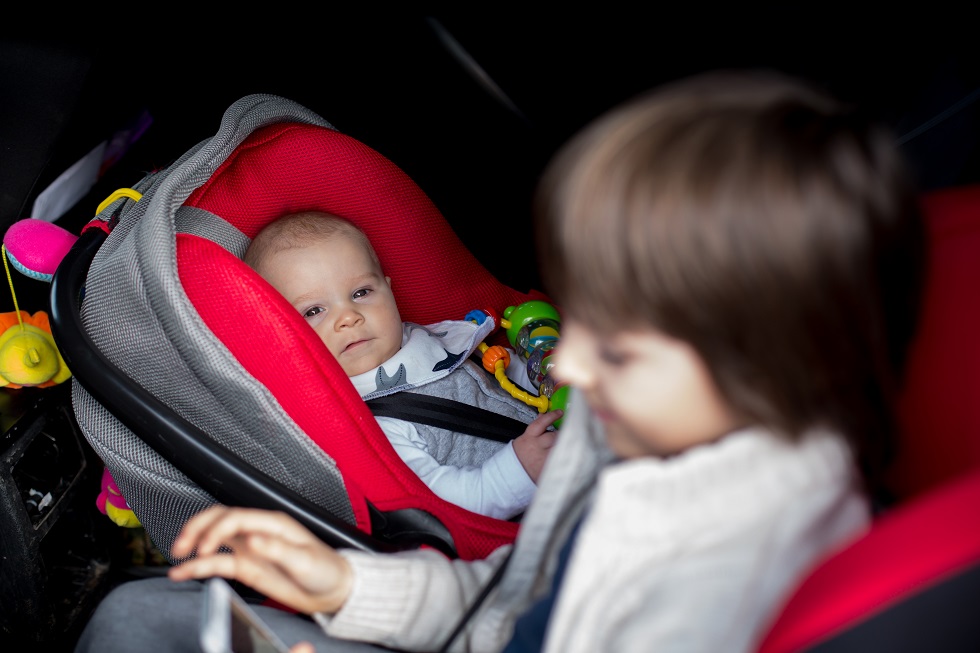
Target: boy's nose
x,y
572,365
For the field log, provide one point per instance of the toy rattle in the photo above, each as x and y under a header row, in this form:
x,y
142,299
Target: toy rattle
x,y
533,330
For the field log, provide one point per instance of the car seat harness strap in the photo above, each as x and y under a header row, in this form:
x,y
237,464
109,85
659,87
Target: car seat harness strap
x,y
447,414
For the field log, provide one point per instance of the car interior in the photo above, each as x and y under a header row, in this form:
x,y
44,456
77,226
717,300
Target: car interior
x,y
469,108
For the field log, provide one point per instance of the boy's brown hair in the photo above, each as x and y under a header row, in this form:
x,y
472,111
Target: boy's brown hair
x,y
763,222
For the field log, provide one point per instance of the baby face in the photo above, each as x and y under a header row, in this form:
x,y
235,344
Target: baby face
x,y
339,289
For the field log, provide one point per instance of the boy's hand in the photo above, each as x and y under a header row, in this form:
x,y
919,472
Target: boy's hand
x,y
271,553
532,446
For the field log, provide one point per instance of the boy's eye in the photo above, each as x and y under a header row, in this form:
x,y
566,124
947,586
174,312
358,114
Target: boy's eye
x,y
611,356
316,310
360,294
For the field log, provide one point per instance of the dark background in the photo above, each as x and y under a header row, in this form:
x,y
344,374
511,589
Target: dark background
x,y
396,81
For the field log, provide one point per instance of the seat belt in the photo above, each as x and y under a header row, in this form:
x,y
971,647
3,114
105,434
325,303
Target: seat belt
x,y
447,414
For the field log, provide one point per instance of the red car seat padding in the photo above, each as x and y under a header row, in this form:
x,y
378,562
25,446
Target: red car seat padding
x,y
901,580
939,411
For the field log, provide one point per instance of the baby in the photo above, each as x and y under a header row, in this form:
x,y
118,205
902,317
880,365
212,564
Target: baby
x,y
328,270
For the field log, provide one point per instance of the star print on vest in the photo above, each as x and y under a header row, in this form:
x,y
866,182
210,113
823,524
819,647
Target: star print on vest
x,y
426,355
448,362
384,381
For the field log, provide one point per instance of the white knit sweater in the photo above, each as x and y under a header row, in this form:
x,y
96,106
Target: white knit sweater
x,y
689,553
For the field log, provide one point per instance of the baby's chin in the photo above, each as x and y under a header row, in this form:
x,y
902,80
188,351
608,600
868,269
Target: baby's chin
x,y
358,368
364,357
360,365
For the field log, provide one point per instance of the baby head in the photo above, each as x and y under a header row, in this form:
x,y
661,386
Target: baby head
x,y
327,269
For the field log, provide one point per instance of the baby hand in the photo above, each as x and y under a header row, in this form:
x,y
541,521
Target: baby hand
x,y
532,446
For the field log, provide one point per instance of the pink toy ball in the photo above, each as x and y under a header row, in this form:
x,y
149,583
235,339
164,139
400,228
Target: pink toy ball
x,y
36,247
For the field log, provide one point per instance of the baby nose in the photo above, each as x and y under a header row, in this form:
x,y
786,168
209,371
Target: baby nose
x,y
348,317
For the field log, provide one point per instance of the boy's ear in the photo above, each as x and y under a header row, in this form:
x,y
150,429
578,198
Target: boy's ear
x,y
388,279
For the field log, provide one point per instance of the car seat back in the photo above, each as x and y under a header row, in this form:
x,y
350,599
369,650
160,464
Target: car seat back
x,y
912,582
168,301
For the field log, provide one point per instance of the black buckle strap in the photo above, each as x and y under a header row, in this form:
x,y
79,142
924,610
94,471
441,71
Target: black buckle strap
x,y
447,414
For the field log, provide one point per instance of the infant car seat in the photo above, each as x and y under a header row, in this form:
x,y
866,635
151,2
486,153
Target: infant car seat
x,y
912,582
196,382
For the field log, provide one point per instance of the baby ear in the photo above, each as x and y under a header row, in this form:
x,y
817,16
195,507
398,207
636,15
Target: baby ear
x,y
388,279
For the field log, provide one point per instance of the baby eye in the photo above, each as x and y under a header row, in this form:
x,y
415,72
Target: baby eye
x,y
362,293
313,312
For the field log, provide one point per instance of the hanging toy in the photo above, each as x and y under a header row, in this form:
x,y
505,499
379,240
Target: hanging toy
x,y
533,330
111,503
28,354
35,247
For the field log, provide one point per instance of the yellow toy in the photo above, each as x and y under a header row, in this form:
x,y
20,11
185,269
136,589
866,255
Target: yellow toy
x,y
112,504
28,355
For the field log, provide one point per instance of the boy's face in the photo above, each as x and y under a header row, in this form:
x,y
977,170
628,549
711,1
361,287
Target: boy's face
x,y
338,288
653,393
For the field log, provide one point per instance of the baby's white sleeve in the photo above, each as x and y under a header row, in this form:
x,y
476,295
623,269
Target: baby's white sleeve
x,y
500,488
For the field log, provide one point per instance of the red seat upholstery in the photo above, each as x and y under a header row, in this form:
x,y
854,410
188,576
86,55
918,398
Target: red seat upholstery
x,y
912,583
939,412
